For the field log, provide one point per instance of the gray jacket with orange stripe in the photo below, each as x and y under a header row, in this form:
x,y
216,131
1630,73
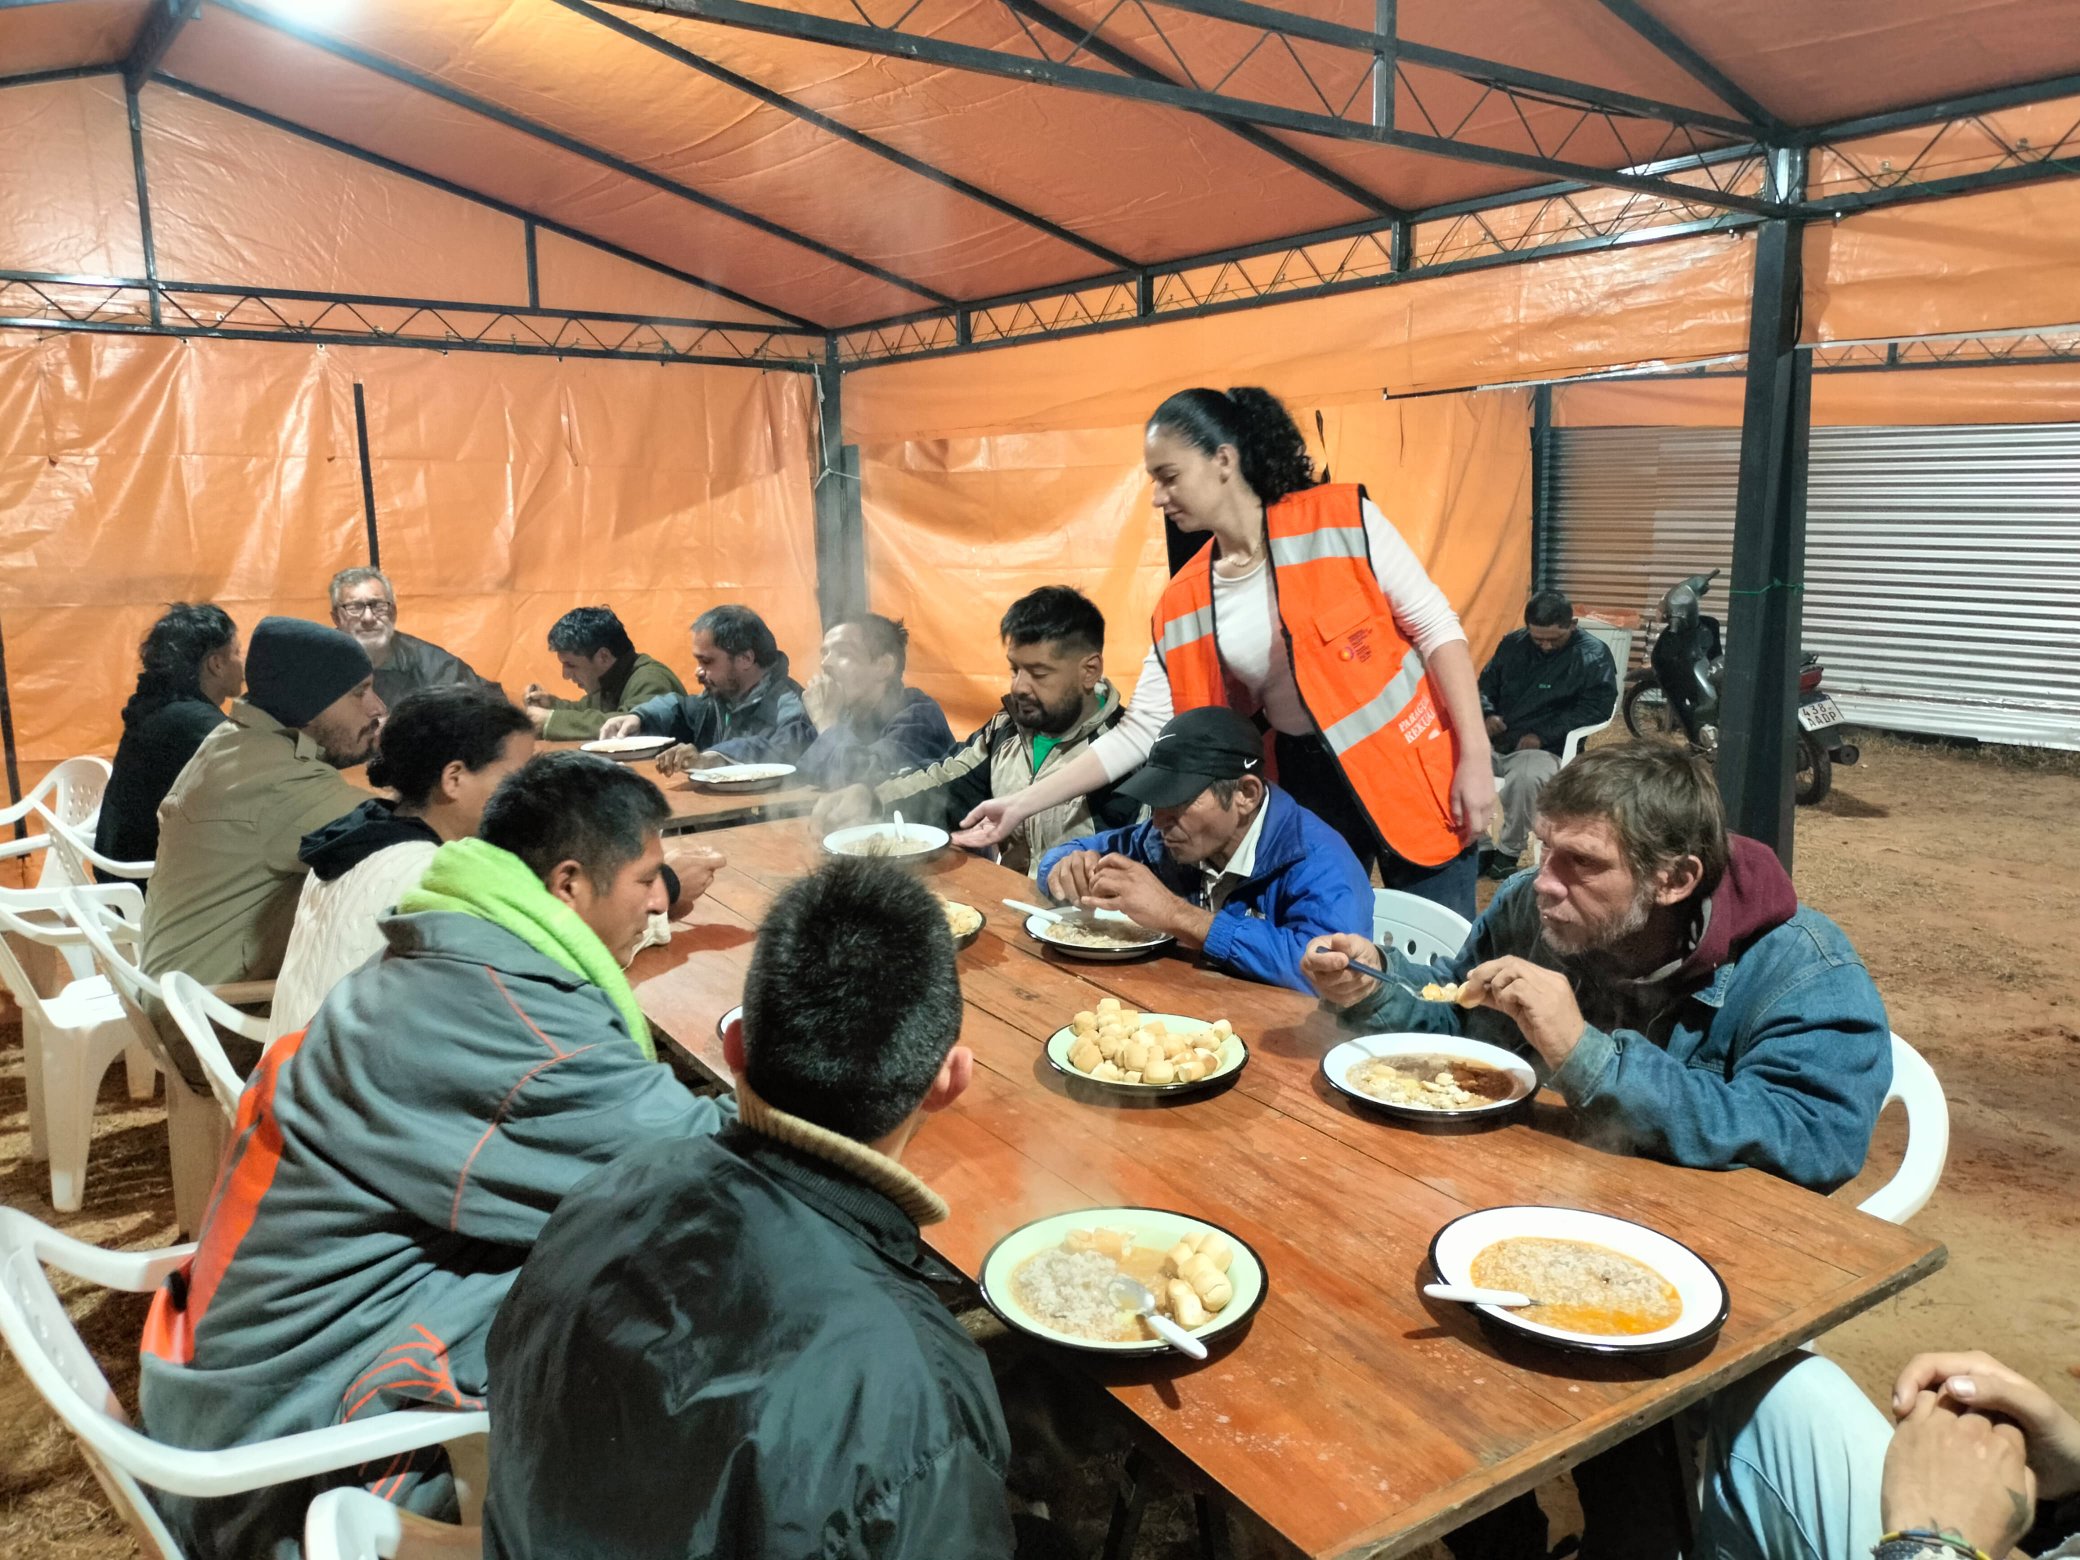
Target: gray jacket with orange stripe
x,y
390,1168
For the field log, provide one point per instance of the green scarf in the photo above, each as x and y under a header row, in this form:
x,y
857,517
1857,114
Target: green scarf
x,y
479,879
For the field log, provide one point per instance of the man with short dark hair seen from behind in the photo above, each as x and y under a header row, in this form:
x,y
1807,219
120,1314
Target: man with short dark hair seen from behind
x,y
754,1311
364,604
394,1161
1059,702
869,722
749,710
1543,681
611,675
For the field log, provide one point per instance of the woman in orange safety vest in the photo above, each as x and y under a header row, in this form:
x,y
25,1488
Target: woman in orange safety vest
x,y
1309,613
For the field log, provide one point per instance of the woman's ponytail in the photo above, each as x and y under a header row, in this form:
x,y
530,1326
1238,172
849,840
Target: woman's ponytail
x,y
1256,423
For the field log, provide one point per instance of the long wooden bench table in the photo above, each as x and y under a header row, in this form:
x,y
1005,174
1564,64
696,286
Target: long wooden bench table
x,y
1355,1417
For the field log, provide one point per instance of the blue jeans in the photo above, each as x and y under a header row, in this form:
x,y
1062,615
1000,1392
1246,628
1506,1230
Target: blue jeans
x,y
1793,1460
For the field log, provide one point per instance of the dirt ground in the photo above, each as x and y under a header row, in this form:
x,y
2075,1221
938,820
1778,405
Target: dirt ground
x,y
1956,873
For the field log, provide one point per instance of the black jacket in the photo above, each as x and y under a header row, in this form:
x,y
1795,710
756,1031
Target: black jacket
x,y
727,1347
1548,695
155,748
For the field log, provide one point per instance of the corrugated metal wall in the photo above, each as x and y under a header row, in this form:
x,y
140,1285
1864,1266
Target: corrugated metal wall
x,y
1942,563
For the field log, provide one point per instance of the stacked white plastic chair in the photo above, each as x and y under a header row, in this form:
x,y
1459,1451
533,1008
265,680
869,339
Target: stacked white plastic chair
x,y
1915,1086
196,1122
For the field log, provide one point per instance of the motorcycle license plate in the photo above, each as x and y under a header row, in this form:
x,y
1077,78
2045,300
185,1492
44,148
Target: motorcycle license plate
x,y
1820,714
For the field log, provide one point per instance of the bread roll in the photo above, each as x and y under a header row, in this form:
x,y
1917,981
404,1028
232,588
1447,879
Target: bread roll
x,y
1185,1308
1159,1069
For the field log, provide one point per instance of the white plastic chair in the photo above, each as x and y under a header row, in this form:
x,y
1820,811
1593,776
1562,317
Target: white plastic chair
x,y
346,1524
70,1036
72,846
1914,1085
70,793
196,1124
198,1011
1421,929
1619,642
58,1364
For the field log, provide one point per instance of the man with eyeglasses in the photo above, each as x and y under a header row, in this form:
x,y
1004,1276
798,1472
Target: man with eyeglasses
x,y
365,607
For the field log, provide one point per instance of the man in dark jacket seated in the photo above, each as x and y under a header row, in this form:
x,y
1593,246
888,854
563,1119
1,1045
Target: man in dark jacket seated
x,y
1676,995
391,1164
749,710
732,1346
870,724
1228,865
1543,681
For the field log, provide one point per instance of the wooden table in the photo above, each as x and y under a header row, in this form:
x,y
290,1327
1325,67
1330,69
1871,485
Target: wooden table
x,y
693,809
1355,1418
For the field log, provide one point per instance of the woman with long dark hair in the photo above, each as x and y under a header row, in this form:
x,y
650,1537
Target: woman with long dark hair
x,y
191,663
1308,612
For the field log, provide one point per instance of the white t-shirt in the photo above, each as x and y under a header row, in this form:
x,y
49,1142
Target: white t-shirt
x,y
1252,647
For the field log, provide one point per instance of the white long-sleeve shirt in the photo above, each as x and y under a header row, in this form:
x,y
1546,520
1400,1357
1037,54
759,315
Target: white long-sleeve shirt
x,y
1252,647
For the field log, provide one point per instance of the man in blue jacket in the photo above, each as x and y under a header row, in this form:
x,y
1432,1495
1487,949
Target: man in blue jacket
x,y
1228,865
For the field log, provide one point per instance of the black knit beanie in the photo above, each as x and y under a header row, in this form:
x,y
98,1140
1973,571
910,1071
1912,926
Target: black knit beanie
x,y
294,668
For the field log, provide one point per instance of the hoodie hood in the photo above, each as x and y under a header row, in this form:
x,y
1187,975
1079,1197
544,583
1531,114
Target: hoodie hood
x,y
343,844
1754,897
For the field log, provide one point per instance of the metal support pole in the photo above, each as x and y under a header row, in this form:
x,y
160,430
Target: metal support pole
x,y
144,208
1383,23
1759,691
1542,488
841,557
534,272
368,477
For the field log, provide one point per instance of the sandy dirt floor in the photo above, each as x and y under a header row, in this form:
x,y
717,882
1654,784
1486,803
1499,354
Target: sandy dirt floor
x,y
1958,876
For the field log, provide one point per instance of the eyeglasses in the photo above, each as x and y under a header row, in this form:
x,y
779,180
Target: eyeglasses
x,y
368,609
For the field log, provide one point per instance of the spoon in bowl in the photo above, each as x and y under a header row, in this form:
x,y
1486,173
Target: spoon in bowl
x,y
1134,1296
1472,1294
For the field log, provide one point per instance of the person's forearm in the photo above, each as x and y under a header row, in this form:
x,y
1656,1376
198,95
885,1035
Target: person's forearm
x,y
1079,777
1451,668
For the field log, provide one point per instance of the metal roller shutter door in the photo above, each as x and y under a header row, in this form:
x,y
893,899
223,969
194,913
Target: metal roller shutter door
x,y
1942,563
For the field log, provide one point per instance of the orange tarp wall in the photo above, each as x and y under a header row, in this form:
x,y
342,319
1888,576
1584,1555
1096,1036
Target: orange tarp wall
x,y
136,471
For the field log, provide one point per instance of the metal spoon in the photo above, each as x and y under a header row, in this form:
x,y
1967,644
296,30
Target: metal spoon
x,y
1383,977
1134,1295
1471,1294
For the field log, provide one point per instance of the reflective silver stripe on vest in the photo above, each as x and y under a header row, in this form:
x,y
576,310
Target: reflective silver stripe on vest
x,y
1179,632
1330,541
1379,712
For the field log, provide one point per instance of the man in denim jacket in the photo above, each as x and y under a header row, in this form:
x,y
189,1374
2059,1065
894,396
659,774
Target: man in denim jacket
x,y
1685,1005
1674,991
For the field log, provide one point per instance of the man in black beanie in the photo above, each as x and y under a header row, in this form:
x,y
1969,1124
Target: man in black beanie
x,y
224,894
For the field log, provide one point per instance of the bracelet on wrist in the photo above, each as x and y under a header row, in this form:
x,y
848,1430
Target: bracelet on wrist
x,y
1912,1543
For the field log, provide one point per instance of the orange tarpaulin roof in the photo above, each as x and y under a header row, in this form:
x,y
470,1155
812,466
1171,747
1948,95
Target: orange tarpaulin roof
x,y
734,156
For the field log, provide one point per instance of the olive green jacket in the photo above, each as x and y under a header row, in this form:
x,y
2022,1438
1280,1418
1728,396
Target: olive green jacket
x,y
627,683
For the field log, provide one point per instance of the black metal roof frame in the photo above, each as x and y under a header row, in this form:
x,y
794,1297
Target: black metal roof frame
x,y
1717,178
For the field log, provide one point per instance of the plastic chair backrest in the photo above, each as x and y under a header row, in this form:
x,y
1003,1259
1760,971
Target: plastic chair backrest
x,y
48,917
1420,929
1613,638
117,911
197,1010
1914,1085
69,795
72,847
58,1364
349,1524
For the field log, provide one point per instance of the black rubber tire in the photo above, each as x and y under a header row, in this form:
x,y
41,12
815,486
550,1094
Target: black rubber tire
x,y
1815,776
1647,713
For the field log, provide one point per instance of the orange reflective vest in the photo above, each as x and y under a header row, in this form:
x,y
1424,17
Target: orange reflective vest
x,y
1361,681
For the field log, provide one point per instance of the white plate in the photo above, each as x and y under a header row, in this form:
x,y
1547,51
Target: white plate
x,y
627,749
1152,1227
722,1024
1234,1056
1698,1286
1337,1065
847,842
966,939
741,777
1039,928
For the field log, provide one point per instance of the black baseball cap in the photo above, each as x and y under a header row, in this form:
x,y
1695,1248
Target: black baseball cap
x,y
1191,752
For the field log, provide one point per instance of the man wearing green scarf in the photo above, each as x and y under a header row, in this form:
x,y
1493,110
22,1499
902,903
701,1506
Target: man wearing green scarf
x,y
395,1161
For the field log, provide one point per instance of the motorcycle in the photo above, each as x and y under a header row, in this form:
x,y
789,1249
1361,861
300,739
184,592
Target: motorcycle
x,y
1677,697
